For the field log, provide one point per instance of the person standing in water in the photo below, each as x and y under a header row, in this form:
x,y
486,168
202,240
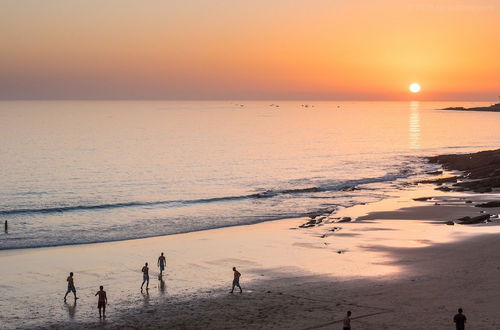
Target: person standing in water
x,y
346,322
145,276
236,280
460,320
102,301
6,226
71,286
162,261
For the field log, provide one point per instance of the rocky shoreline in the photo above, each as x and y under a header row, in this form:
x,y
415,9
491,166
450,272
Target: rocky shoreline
x,y
492,108
480,171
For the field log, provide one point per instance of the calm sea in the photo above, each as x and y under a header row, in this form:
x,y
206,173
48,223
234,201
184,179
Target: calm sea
x,y
81,172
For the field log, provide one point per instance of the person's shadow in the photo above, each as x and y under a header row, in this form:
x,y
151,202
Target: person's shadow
x,y
71,309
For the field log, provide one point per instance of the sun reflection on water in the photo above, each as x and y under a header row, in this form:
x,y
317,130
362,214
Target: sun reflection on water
x,y
414,125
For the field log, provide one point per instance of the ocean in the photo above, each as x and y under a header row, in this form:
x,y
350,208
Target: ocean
x,y
75,172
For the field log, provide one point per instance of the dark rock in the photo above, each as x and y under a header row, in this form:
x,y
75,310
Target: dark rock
x,y
444,188
422,199
483,190
449,223
479,219
450,179
435,172
345,219
468,202
489,204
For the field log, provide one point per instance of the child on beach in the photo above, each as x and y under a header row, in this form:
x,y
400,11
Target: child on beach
x,y
236,280
102,301
347,321
71,286
145,276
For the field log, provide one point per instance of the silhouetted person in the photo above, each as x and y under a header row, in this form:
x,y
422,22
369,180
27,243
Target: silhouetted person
x,y
162,261
460,320
6,226
145,276
346,322
71,286
236,280
102,301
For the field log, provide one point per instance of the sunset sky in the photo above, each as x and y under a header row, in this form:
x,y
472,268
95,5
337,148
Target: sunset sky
x,y
260,49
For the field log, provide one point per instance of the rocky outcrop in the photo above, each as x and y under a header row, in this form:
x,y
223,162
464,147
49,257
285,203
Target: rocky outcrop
x,y
489,204
493,108
481,171
474,220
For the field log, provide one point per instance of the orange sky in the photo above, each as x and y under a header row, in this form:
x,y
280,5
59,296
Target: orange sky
x,y
234,49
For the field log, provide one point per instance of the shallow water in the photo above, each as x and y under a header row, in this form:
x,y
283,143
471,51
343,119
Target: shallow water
x,y
79,172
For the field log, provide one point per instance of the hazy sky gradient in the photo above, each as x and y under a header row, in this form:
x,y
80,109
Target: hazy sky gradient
x,y
261,49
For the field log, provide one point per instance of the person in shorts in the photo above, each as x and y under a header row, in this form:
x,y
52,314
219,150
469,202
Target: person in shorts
x,y
102,301
162,261
236,280
71,286
145,276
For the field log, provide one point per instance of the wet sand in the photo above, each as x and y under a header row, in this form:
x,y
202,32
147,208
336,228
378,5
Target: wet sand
x,y
396,267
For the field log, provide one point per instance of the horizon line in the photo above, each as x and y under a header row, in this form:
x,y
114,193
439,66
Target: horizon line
x,y
243,99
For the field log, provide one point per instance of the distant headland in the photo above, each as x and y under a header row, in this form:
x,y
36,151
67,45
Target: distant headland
x,y
493,107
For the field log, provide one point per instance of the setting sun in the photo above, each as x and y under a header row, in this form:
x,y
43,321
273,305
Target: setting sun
x,y
414,88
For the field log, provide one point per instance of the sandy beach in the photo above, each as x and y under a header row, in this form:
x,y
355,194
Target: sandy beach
x,y
397,266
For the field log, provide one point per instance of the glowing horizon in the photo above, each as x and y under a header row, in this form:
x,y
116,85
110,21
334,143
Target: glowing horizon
x,y
261,50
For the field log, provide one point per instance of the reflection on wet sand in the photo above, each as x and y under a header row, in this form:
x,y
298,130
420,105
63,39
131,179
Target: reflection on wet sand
x,y
145,297
71,309
161,287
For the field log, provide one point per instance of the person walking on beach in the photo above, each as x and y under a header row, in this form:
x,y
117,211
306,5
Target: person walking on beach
x,y
71,286
145,276
236,280
162,261
346,322
101,301
460,320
